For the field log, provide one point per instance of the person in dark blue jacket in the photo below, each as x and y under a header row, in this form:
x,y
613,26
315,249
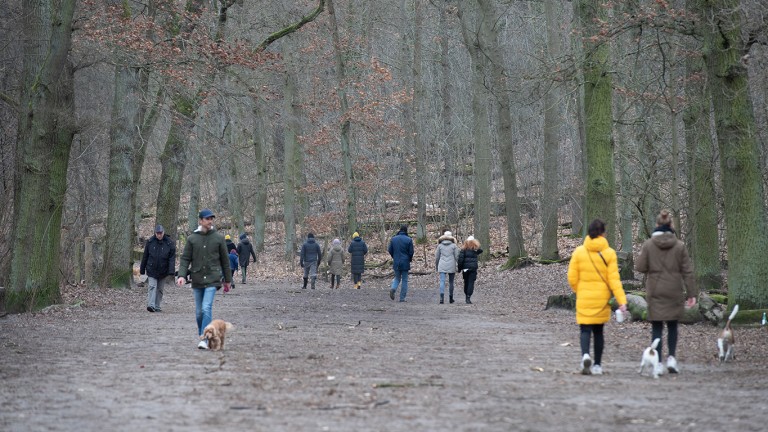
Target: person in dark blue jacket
x,y
233,264
311,255
401,250
468,265
357,251
158,262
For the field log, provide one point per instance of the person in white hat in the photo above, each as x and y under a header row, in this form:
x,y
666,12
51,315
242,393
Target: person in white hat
x,y
446,260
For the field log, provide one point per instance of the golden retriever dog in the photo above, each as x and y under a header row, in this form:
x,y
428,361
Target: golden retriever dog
x,y
216,332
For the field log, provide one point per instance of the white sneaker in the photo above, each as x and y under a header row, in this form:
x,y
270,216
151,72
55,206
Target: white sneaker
x,y
203,344
672,365
586,362
658,370
596,370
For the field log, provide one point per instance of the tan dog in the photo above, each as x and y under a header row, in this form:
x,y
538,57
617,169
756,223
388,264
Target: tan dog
x,y
726,340
216,332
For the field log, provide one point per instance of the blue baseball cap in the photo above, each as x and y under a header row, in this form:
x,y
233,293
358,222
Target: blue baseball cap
x,y
206,213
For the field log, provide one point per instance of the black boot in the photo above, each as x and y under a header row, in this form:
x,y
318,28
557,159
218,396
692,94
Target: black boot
x,y
333,279
442,296
313,282
305,283
450,294
468,300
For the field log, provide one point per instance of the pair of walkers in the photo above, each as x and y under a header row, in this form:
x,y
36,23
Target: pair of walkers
x,y
449,259
311,254
593,274
243,252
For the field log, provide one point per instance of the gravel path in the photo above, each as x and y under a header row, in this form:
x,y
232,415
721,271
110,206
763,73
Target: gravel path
x,y
352,360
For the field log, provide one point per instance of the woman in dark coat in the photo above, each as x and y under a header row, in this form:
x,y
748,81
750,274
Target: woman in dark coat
x,y
468,265
357,250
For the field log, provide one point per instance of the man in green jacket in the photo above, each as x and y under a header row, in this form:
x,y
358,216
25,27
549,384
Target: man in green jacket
x,y
205,259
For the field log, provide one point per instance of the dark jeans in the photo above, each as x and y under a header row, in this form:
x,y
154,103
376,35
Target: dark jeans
x,y
657,328
469,282
357,277
586,331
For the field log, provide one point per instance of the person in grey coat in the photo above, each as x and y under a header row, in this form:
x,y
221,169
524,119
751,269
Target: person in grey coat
x,y
336,262
357,251
311,255
446,259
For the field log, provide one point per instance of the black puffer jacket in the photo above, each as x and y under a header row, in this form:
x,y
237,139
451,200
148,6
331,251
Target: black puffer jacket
x,y
468,259
357,250
159,259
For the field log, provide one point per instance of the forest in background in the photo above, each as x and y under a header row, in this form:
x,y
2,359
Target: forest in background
x,y
341,116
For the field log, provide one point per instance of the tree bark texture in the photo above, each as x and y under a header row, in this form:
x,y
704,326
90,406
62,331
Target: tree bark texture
x,y
125,138
598,121
553,124
346,153
743,193
481,131
702,201
45,132
491,48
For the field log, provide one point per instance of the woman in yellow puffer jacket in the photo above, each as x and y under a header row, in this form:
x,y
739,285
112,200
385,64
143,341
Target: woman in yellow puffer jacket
x,y
593,274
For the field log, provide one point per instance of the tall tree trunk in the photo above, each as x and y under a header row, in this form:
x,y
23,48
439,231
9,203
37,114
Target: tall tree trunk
x,y
452,158
481,131
45,132
489,34
260,161
291,176
601,181
415,120
745,215
702,202
345,123
553,122
173,161
579,138
125,138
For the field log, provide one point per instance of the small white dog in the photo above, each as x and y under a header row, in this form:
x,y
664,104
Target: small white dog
x,y
651,359
726,340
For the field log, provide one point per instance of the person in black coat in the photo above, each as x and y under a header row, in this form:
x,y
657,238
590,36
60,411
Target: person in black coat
x,y
311,255
230,244
158,262
468,265
357,251
245,252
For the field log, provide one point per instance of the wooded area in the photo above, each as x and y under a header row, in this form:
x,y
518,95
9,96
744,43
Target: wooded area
x,y
338,116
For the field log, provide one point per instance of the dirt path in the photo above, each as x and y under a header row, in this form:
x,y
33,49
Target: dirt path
x,y
349,360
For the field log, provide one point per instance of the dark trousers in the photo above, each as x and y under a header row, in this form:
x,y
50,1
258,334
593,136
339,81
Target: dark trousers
x,y
357,277
657,328
588,330
469,281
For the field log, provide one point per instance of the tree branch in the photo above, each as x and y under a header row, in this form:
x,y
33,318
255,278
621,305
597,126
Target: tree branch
x,y
292,28
9,100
